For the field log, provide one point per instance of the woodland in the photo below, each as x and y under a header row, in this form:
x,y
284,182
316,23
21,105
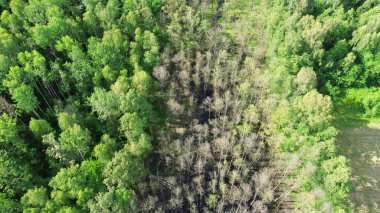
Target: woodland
x,y
181,105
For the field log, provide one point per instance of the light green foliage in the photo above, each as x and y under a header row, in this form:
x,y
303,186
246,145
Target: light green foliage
x,y
108,14
110,50
74,142
81,69
105,150
33,63
4,65
51,26
8,43
121,86
72,146
66,43
211,201
151,47
143,83
133,125
144,51
367,35
34,199
15,77
124,170
118,200
136,102
306,80
77,183
142,147
65,120
39,127
315,110
25,98
337,178
64,61
366,101
9,131
104,103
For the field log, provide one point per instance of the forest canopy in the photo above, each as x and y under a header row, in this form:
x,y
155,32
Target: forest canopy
x,y
180,106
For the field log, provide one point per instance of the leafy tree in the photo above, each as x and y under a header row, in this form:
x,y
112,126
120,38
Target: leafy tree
x,y
108,14
124,170
143,82
116,200
15,174
7,204
142,147
144,51
78,183
39,127
72,146
25,98
34,199
104,103
80,68
110,50
133,125
306,80
56,27
314,109
75,143
8,43
121,86
9,132
337,178
66,120
105,150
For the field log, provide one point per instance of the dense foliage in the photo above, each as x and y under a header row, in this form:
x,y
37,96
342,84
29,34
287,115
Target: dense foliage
x,y
180,106
78,74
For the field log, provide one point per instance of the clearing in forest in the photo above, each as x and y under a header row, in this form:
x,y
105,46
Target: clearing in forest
x,y
359,141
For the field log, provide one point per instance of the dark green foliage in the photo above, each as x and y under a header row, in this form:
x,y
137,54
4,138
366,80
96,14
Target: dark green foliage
x,y
15,173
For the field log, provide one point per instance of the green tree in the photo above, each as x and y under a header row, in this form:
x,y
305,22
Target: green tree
x,y
110,50
337,178
143,83
9,132
8,205
104,103
73,145
25,98
313,111
34,200
124,170
66,120
76,185
106,149
305,80
116,200
39,127
15,174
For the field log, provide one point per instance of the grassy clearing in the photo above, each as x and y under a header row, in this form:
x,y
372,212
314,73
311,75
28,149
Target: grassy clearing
x,y
361,145
359,141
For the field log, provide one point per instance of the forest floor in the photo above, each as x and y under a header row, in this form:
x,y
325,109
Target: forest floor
x,y
359,141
